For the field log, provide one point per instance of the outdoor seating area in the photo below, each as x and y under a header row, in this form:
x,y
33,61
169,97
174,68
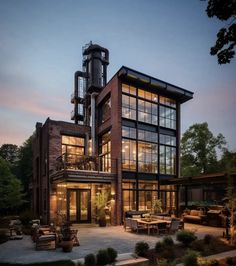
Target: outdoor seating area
x,y
153,224
92,238
215,215
50,237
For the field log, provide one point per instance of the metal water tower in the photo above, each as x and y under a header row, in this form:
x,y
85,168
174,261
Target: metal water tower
x,y
87,84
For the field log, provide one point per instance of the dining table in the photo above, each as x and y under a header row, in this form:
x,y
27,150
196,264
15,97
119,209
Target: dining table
x,y
150,222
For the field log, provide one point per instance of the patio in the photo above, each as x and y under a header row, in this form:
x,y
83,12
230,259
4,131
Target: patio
x,y
91,240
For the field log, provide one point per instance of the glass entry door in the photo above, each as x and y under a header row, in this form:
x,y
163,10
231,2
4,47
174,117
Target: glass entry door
x,y
79,205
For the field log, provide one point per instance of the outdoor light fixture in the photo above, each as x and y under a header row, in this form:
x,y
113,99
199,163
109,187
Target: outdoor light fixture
x,y
112,196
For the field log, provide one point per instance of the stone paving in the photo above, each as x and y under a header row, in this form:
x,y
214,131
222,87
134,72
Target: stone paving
x,y
91,240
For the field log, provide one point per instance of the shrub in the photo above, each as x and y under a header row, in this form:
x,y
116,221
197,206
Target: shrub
x,y
159,246
168,253
112,254
214,263
186,237
168,241
206,262
141,248
207,239
198,245
102,257
190,259
162,262
90,260
230,261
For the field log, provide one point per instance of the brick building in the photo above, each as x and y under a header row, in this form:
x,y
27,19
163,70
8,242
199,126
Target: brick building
x,y
124,141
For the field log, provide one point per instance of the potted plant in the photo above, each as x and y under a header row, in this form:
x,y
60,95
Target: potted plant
x,y
101,205
66,241
157,206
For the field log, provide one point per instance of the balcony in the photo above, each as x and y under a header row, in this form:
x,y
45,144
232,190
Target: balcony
x,y
83,163
74,98
77,116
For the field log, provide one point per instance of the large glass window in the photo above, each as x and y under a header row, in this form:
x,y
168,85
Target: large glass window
x,y
147,157
128,107
129,195
147,112
128,155
128,132
147,135
167,140
148,95
167,101
72,148
105,111
129,89
167,160
146,199
105,152
167,117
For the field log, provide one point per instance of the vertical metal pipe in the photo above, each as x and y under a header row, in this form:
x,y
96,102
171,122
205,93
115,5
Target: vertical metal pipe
x,y
93,122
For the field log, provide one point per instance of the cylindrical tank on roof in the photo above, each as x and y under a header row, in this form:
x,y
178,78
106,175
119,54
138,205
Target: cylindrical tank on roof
x,y
96,59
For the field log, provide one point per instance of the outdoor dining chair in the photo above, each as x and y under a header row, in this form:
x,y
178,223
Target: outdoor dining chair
x,y
173,226
135,226
160,227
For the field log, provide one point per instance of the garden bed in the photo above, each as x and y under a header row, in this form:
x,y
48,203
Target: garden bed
x,y
166,252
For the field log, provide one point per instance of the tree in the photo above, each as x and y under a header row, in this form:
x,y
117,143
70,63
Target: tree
x,y
25,163
198,150
224,10
231,205
228,161
11,195
9,152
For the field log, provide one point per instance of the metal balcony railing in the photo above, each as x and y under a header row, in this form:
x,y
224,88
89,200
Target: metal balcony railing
x,y
70,161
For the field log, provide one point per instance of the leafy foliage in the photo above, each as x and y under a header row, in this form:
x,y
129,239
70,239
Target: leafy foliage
x,y
101,202
186,237
159,246
141,248
9,152
198,150
112,255
224,10
102,257
20,162
190,259
25,163
168,241
11,195
90,260
227,161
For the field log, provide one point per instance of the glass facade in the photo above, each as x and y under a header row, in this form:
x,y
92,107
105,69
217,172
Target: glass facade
x,y
129,107
105,111
145,149
167,154
167,117
105,152
129,155
147,157
72,148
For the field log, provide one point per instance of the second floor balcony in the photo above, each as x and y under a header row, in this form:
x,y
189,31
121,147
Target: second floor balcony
x,y
69,161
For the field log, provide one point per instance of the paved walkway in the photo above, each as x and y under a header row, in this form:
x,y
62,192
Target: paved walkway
x,y
91,240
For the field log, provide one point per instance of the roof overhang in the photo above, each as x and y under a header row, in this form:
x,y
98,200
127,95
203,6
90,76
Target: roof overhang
x,y
217,178
140,79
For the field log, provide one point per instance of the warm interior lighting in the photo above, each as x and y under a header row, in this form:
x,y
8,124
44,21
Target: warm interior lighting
x,y
113,196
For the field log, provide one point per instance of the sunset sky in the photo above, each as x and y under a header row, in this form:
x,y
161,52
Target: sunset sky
x,y
40,49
